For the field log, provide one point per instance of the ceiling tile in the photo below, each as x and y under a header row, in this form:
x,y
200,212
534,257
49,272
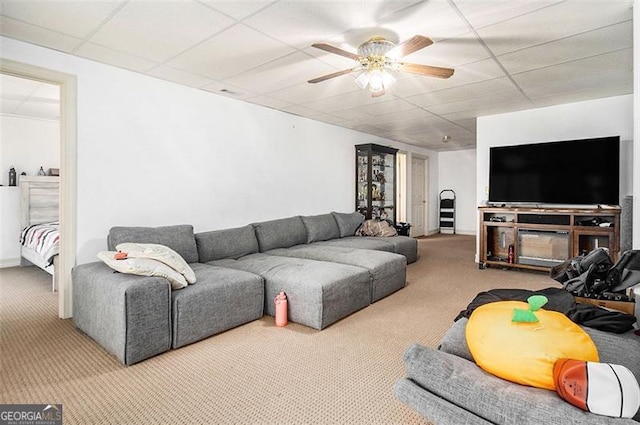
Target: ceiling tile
x,y
343,101
580,96
320,21
487,12
234,51
76,18
9,106
135,28
477,103
181,77
237,9
589,83
406,117
114,57
37,35
49,111
450,53
269,102
560,20
587,44
284,72
464,92
17,87
389,105
304,92
434,19
621,60
227,90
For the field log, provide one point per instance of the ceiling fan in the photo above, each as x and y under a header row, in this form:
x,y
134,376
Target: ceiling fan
x,y
377,58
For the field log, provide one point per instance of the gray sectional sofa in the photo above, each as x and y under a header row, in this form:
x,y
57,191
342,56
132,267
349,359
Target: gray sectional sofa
x,y
326,272
447,387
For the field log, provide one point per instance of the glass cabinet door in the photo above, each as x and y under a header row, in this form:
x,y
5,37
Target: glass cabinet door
x,y
376,182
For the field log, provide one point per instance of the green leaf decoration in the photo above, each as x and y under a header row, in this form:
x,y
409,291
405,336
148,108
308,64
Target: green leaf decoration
x,y
527,316
520,315
537,301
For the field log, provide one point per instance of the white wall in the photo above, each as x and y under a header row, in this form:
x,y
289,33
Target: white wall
x,y
154,153
28,144
596,118
457,172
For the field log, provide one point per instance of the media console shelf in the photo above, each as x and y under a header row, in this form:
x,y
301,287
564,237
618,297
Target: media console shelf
x,y
540,238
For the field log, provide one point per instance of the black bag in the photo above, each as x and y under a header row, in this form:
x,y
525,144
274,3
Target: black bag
x,y
625,273
595,273
592,270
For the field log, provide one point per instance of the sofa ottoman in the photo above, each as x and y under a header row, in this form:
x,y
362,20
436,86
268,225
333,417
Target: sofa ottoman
x,y
387,270
319,293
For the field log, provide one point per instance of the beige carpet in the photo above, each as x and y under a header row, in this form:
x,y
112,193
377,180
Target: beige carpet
x,y
254,374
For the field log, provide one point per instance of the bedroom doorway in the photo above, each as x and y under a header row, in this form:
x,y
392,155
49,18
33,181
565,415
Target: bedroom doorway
x,y
67,217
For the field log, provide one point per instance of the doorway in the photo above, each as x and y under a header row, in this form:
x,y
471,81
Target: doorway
x,y
68,143
418,196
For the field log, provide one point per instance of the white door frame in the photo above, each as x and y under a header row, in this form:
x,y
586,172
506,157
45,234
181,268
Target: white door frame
x,y
68,173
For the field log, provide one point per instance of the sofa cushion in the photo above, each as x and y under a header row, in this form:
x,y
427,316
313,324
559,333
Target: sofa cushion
x,y
348,223
222,299
227,243
281,233
434,408
498,401
179,238
321,227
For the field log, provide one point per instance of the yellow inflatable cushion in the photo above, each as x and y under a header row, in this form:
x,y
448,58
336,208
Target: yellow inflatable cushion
x,y
525,352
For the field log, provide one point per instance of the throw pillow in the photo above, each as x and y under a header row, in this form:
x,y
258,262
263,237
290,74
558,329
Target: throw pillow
x,y
376,228
321,227
161,253
525,352
143,267
348,223
602,388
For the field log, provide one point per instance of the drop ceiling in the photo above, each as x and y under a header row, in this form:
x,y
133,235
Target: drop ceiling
x,y
508,55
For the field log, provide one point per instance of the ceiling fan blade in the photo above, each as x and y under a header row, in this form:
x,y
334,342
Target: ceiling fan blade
x,y
431,71
335,74
336,50
409,46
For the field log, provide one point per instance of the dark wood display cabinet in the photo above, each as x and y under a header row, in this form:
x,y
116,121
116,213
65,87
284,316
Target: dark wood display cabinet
x,y
540,238
376,181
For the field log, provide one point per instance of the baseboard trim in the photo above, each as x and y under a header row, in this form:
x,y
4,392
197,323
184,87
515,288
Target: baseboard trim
x,y
9,262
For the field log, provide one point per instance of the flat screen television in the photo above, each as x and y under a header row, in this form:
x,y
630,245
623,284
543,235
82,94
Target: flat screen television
x,y
570,172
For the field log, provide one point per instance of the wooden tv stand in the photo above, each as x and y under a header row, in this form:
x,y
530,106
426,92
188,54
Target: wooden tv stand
x,y
541,238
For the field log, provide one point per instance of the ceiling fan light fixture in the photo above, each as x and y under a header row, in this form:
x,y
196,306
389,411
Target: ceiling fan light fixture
x,y
363,79
375,46
376,80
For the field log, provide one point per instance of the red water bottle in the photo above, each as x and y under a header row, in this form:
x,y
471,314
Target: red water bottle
x,y
510,257
281,309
